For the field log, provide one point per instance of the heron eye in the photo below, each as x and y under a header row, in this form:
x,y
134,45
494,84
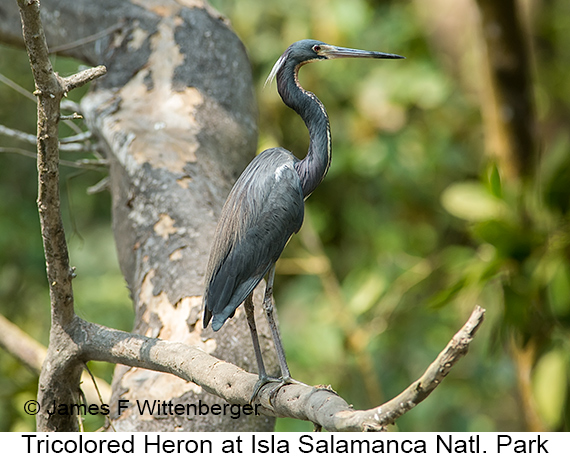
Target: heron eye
x,y
316,48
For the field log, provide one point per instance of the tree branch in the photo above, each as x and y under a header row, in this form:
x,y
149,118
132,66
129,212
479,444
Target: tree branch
x,y
18,135
61,373
69,144
21,345
319,404
32,354
82,78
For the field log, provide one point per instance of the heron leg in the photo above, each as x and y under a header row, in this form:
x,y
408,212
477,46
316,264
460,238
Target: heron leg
x,y
263,378
268,307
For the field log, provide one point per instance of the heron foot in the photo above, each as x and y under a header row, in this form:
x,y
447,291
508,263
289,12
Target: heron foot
x,y
283,381
263,379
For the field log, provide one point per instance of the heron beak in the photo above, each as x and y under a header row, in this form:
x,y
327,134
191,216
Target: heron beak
x,y
335,52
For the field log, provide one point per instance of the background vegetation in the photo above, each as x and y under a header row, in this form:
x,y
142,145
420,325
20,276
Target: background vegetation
x,y
414,224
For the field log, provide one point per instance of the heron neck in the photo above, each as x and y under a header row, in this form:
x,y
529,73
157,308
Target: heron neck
x,y
313,168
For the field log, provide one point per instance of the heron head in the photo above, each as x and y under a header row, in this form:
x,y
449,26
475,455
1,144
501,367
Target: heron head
x,y
305,51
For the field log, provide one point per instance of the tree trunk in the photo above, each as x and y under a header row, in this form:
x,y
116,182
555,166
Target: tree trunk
x,y
511,116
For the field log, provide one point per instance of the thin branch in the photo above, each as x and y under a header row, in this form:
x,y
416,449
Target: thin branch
x,y
80,137
88,39
21,345
69,144
17,134
71,117
84,164
17,88
20,151
319,404
31,354
70,105
83,77
102,185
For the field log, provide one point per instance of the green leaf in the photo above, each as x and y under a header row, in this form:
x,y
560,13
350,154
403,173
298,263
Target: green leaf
x,y
494,180
559,290
368,293
472,202
550,387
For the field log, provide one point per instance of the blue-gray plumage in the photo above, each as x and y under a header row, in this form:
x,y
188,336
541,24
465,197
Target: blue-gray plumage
x,y
264,208
266,204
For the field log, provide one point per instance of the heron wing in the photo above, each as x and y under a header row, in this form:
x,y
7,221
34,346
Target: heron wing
x,y
263,210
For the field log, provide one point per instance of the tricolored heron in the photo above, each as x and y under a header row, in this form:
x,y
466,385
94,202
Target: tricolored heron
x,y
266,205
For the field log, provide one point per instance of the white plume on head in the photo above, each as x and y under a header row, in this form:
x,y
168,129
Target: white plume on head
x,y
274,70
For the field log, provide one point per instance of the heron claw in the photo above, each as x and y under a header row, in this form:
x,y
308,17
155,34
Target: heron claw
x,y
283,382
268,379
259,384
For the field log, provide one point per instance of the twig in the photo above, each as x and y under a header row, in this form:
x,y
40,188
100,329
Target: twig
x,y
76,138
88,39
71,117
82,78
70,105
102,185
69,144
17,134
84,164
17,88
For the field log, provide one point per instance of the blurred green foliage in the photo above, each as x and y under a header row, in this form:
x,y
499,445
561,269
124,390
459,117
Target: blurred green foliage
x,y
412,227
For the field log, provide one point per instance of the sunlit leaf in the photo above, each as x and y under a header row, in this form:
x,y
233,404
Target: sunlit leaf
x,y
472,202
368,293
550,386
